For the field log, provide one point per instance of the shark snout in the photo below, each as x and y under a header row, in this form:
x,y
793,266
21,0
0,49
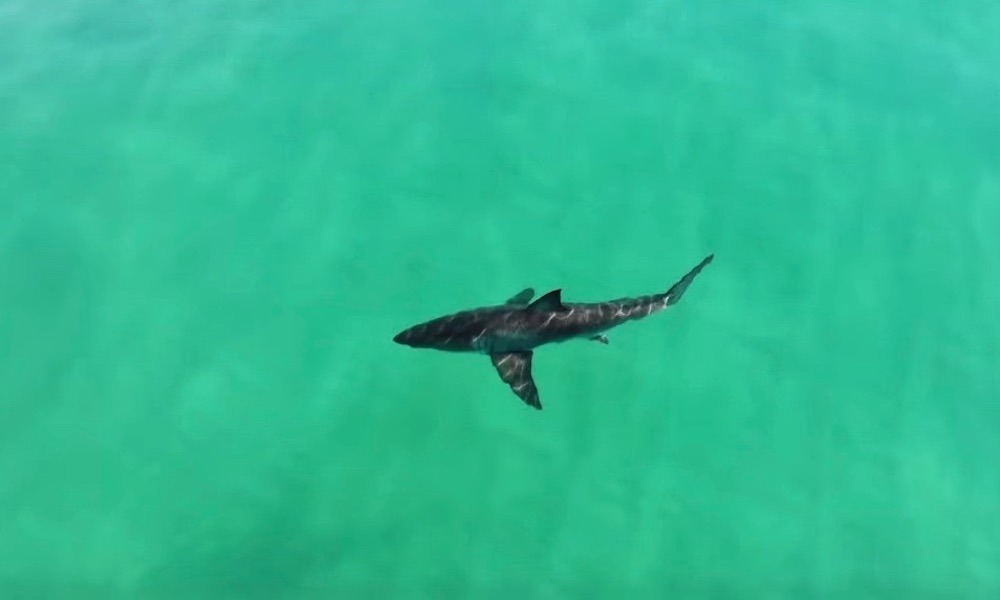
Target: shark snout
x,y
404,337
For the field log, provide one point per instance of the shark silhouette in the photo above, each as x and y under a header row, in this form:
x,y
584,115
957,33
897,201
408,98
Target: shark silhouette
x,y
509,332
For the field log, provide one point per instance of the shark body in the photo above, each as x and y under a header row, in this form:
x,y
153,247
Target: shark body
x,y
508,333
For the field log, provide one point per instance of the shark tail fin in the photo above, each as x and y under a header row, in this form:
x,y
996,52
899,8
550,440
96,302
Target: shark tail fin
x,y
675,292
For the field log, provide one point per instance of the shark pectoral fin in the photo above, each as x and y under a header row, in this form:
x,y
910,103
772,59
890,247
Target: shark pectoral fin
x,y
600,338
515,370
522,298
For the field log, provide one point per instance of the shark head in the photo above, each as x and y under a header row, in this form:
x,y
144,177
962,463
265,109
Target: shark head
x,y
455,333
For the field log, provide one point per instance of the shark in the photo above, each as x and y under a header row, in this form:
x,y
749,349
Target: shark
x,y
510,332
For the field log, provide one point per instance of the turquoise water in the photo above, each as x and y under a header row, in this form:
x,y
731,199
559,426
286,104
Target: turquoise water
x,y
215,215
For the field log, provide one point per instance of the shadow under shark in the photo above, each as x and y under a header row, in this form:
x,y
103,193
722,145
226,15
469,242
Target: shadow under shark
x,y
510,332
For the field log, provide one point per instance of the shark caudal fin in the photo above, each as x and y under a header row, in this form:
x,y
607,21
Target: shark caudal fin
x,y
675,292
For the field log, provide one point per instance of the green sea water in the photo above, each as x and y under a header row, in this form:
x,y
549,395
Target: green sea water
x,y
215,215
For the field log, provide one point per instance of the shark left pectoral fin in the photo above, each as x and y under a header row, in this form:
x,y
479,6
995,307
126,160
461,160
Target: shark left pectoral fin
x,y
522,298
514,369
600,338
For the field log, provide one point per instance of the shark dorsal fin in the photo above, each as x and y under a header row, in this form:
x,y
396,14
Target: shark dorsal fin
x,y
549,302
522,298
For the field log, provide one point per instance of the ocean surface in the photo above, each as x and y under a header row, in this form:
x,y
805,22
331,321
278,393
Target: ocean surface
x,y
215,215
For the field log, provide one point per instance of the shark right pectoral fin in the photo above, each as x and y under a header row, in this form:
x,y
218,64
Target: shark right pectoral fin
x,y
600,338
522,298
515,370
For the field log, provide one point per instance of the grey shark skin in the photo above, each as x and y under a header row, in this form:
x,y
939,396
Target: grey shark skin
x,y
509,332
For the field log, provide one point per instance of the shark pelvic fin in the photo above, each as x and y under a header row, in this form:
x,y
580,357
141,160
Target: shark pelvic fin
x,y
549,302
514,369
522,298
